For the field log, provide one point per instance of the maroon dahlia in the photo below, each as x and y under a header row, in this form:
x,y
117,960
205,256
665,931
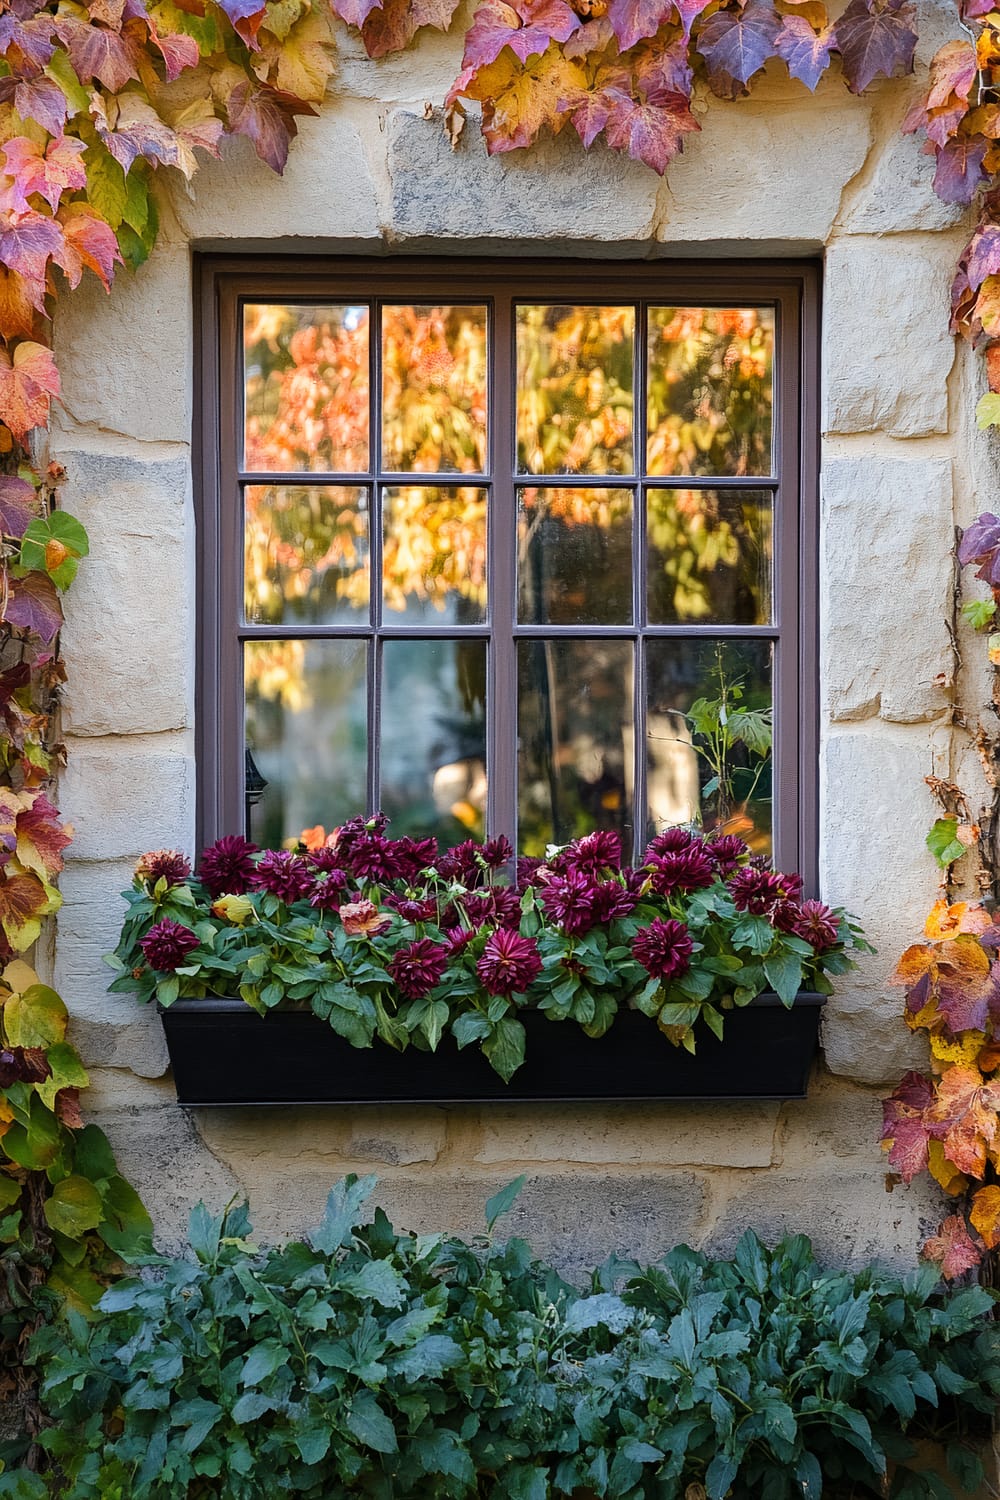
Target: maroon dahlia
x,y
499,904
463,863
411,910
167,945
613,900
527,869
410,856
725,852
418,967
283,874
686,870
325,860
672,841
227,867
458,938
664,948
328,891
497,852
596,851
372,857
508,963
756,890
163,864
570,901
818,925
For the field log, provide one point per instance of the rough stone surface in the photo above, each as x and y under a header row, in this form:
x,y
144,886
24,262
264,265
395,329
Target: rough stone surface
x,y
127,640
325,191
336,1140
554,191
886,355
899,195
127,795
883,653
742,178
675,1135
126,357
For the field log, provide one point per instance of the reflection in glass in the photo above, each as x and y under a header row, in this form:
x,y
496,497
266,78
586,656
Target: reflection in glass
x,y
710,556
708,736
574,390
434,389
574,724
434,554
709,397
305,554
306,382
574,556
433,738
307,729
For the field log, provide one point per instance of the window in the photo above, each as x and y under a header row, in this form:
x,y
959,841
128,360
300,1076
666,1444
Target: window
x,y
520,547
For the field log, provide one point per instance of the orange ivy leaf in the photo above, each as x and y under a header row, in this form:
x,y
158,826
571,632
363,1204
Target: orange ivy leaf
x,y
519,100
985,1215
944,1172
89,242
952,1249
27,383
41,837
964,1117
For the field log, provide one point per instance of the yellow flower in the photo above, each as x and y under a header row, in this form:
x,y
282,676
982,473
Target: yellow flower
x,y
235,909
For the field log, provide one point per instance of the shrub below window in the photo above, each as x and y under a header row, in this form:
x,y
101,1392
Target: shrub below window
x,y
366,1362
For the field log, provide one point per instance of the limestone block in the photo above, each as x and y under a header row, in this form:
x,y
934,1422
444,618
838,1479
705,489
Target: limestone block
x,y
127,638
850,1217
887,351
885,651
761,172
899,195
125,797
633,1135
837,1128
108,1030
326,189
554,191
257,1144
126,357
419,74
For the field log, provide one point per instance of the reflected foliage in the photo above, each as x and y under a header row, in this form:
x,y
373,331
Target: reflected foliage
x,y
574,556
434,389
305,554
575,384
710,556
434,553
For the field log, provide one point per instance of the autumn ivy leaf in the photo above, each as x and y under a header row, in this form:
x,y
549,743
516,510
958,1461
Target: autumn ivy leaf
x,y
980,544
88,242
267,119
24,900
28,381
301,62
18,505
985,1215
737,44
41,837
519,100
875,40
96,52
953,71
245,17
354,12
904,1132
943,842
26,42
952,1249
988,411
33,604
54,544
39,99
48,171
394,24
27,243
805,50
632,20
526,28
964,1117
177,50
960,168
38,1018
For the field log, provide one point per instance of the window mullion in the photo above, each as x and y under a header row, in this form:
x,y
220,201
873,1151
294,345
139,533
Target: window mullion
x,y
502,558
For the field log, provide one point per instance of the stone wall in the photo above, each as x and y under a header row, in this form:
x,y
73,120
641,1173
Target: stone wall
x,y
785,173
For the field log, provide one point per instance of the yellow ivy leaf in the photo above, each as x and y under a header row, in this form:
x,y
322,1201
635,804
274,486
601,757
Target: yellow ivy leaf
x,y
985,1215
945,1172
963,1050
520,98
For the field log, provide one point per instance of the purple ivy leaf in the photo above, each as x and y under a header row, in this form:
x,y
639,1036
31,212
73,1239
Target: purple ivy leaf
x,y
736,46
875,39
18,505
33,604
960,168
807,52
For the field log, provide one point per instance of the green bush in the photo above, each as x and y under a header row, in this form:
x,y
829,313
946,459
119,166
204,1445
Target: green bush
x,y
366,1362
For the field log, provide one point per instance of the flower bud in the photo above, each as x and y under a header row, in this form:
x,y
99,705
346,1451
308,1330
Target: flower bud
x,y
235,909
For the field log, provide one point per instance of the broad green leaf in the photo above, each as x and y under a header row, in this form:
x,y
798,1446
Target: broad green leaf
x,y
943,842
784,975
74,1206
980,613
502,1202
370,1425
342,1213
35,1019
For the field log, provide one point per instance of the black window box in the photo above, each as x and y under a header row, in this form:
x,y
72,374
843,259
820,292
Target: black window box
x,y
223,1053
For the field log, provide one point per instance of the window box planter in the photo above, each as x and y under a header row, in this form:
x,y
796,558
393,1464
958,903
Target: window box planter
x,y
223,1053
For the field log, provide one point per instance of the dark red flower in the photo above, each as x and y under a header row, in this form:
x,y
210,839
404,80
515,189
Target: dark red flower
x,y
818,925
371,857
791,885
726,851
497,852
167,945
595,852
349,833
664,948
227,866
508,963
569,901
324,860
527,868
464,863
756,890
410,856
411,910
418,967
163,864
671,841
327,893
283,874
685,870
613,900
458,938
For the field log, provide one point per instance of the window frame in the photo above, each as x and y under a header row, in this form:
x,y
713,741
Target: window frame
x,y
223,282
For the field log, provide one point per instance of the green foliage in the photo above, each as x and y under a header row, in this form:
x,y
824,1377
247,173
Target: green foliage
x,y
944,843
980,613
367,1362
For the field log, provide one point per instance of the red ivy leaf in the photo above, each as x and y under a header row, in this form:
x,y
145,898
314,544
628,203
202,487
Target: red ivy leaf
x,y
526,28
18,506
89,242
27,241
983,255
354,12
952,1249
23,898
49,172
904,1132
26,385
33,604
98,53
394,25
652,132
67,1108
981,544
960,168
964,1117
41,837
267,118
806,52
875,39
39,99
245,17
735,46
177,50
631,20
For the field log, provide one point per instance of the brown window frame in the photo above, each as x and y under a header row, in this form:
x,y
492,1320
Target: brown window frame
x,y
225,282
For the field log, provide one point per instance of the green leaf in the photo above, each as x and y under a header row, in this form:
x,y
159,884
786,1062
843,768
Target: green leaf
x,y
980,613
263,1361
504,1047
943,843
502,1202
35,1019
378,1281
370,1425
342,1213
105,183
784,975
719,1476
54,544
988,411
74,1207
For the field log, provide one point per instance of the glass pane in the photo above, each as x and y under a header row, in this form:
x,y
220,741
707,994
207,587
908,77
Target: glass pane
x,y
306,374
307,730
434,389
708,404
708,736
574,556
434,555
433,738
574,390
305,554
575,737
710,556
